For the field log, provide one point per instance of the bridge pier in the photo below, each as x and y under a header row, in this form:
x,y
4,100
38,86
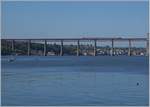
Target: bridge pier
x,y
45,47
147,45
29,43
129,49
95,48
12,45
112,47
78,46
61,48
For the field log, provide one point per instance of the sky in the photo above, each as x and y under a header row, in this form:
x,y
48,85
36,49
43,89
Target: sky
x,y
74,19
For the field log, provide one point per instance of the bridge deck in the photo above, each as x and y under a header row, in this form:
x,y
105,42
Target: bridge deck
x,y
84,39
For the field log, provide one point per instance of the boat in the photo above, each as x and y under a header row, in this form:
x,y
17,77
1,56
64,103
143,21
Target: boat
x,y
12,59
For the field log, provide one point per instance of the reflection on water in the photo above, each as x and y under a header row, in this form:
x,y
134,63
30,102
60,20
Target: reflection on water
x,y
75,81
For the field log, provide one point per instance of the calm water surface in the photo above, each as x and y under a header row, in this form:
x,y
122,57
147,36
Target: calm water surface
x,y
100,80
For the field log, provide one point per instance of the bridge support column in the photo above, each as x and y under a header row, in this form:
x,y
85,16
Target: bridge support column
x,y
45,47
78,46
129,50
29,43
95,48
147,45
112,48
61,48
12,45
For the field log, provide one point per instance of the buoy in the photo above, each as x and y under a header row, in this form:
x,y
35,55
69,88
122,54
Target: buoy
x,y
137,83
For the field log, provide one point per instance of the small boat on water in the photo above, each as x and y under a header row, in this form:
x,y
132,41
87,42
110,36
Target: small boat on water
x,y
12,59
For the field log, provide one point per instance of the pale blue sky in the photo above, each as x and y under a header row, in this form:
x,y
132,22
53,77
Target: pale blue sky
x,y
74,19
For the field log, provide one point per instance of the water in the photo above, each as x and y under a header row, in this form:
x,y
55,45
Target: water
x,y
100,80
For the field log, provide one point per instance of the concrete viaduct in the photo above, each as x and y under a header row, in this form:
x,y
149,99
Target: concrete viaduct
x,y
77,40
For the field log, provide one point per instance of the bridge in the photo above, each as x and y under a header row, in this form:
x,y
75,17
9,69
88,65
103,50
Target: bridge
x,y
78,40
